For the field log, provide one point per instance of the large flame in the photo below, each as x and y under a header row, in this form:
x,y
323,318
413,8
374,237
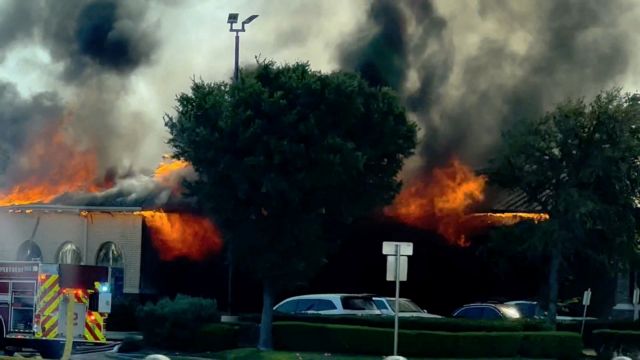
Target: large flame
x,y
51,167
443,201
178,235
440,200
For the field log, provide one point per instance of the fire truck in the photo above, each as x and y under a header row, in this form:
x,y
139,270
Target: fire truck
x,y
34,298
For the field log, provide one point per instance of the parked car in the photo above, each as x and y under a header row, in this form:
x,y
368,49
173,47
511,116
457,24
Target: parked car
x,y
528,309
329,304
408,308
532,310
486,311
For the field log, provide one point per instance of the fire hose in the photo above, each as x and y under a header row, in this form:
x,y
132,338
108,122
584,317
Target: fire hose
x,y
68,344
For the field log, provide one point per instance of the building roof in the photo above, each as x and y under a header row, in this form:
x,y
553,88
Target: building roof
x,y
49,208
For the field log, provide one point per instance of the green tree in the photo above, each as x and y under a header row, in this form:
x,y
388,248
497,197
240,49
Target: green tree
x,y
282,155
580,163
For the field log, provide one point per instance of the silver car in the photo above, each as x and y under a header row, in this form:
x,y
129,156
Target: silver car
x,y
408,308
329,304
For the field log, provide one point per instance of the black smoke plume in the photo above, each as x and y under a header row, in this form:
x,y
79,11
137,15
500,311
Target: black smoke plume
x,y
467,76
96,45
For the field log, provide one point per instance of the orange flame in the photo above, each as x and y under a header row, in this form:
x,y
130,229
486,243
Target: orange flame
x,y
177,235
169,167
440,201
483,220
54,167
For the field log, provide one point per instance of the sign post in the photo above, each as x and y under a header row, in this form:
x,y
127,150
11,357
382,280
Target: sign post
x,y
586,300
636,300
397,267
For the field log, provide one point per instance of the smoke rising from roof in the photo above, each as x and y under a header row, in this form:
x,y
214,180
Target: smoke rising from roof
x,y
469,74
19,117
95,45
465,70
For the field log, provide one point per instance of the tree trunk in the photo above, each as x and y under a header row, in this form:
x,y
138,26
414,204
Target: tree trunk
x,y
554,266
266,338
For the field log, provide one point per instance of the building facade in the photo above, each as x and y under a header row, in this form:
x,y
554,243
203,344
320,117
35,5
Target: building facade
x,y
106,236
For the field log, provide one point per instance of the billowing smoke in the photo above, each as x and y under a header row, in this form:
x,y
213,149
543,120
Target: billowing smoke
x,y
466,70
140,190
18,117
94,46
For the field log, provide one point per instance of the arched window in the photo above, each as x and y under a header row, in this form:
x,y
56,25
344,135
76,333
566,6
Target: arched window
x,y
29,251
69,253
109,254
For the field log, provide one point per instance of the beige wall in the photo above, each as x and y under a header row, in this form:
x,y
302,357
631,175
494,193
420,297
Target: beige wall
x,y
88,232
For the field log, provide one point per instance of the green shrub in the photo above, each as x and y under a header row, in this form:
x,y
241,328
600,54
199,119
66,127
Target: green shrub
x,y
592,325
123,314
621,341
216,337
415,323
333,338
168,323
558,345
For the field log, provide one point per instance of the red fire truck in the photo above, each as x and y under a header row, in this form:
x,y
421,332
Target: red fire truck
x,y
34,299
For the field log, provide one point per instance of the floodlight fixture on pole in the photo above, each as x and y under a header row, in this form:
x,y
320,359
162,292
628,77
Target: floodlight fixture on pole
x,y
231,20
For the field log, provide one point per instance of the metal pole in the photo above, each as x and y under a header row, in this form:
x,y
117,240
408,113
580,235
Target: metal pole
x,y
230,251
584,317
230,278
235,69
397,310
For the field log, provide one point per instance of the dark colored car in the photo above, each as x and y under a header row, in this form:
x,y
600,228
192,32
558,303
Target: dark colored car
x,y
487,312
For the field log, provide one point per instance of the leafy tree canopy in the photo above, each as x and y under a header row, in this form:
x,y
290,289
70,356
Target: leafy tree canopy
x,y
285,152
581,164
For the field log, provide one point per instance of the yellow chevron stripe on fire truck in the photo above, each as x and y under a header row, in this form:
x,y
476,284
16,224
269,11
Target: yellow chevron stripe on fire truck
x,y
50,280
81,297
51,302
49,298
49,294
50,326
93,327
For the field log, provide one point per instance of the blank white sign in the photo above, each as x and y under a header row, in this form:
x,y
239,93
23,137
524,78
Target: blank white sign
x,y
391,268
389,248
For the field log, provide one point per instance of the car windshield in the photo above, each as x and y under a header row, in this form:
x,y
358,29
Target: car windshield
x,y
358,303
380,304
405,305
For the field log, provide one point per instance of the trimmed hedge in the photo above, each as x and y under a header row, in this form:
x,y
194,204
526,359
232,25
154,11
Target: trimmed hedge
x,y
296,336
414,323
591,326
216,337
166,324
608,341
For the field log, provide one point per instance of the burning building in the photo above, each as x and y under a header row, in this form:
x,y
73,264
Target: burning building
x,y
68,220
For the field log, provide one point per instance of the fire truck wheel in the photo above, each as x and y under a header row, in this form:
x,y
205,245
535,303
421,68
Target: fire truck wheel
x,y
52,350
9,352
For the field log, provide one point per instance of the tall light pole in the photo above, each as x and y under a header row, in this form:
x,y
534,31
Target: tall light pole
x,y
231,20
